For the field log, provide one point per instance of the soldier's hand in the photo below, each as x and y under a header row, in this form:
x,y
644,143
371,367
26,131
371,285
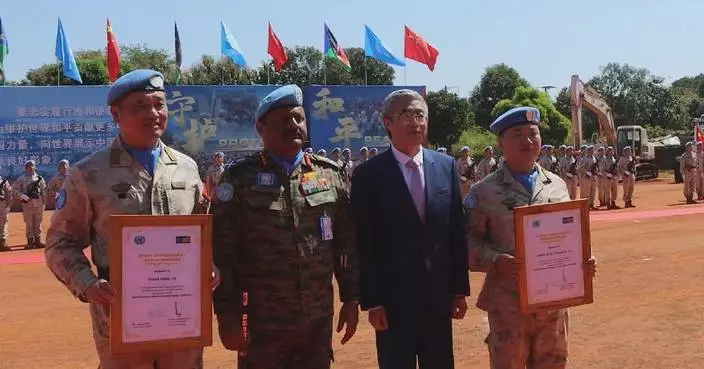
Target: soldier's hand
x,y
590,266
231,334
506,265
377,318
101,293
463,179
349,317
459,307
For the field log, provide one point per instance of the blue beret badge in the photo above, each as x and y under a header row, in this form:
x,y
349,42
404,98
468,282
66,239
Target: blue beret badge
x,y
224,192
60,199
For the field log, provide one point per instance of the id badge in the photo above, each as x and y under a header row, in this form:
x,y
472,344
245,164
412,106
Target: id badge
x,y
325,228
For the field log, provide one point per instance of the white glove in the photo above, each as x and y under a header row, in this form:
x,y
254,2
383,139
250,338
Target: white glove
x,y
627,173
24,197
569,175
610,176
589,174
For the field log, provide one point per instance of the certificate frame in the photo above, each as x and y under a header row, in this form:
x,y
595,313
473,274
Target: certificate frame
x,y
519,215
115,257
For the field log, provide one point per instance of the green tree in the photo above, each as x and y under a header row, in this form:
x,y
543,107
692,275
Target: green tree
x,y
209,71
499,82
142,57
476,138
304,67
554,127
449,116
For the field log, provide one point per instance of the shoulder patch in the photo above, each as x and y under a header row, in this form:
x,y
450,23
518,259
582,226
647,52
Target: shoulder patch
x,y
60,199
224,191
470,201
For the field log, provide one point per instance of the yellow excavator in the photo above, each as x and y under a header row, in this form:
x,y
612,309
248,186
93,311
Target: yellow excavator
x,y
636,137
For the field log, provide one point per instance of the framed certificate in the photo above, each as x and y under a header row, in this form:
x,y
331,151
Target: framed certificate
x,y
160,267
552,245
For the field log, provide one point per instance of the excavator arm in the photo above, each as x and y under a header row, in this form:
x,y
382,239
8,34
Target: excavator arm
x,y
586,96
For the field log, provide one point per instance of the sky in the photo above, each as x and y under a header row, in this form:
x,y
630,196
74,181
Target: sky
x,y
547,41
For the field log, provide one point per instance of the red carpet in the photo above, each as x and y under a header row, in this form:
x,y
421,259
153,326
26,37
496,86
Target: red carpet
x,y
29,257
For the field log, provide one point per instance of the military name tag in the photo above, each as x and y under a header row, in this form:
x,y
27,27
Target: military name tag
x,y
266,182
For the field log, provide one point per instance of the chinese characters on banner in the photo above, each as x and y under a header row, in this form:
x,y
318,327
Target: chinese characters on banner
x,y
48,124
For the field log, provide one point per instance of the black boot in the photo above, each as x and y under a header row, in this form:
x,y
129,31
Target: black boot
x,y
690,200
3,245
30,243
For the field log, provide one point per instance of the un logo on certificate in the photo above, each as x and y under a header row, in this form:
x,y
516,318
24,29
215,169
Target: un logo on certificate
x,y
140,240
536,224
224,192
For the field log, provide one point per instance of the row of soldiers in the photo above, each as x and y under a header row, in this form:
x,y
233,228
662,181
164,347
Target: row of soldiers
x,y
692,169
34,193
595,173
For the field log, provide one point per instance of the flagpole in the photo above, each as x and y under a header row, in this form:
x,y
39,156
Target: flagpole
x,y
58,75
267,74
405,68
365,70
325,72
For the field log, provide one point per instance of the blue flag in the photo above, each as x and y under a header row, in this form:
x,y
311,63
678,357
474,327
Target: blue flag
x,y
229,46
374,48
65,55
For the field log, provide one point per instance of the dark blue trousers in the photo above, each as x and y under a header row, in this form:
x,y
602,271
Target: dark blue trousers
x,y
417,336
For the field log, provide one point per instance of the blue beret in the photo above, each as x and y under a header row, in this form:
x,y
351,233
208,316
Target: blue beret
x,y
219,154
363,148
570,147
563,147
321,152
309,150
63,161
283,97
514,117
373,149
346,150
464,148
136,80
442,149
626,148
489,148
337,149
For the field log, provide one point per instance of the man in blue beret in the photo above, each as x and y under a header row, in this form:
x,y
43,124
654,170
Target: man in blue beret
x,y
212,177
281,230
136,174
487,165
516,340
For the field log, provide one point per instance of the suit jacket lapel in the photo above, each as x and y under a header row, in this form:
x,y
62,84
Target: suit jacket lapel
x,y
396,182
429,173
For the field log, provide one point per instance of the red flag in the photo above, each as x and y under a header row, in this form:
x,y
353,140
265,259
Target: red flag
x,y
415,48
113,54
276,50
698,135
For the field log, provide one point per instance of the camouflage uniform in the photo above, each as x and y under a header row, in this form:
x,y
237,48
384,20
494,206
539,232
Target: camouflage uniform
x,y
109,182
466,169
587,169
548,162
626,169
609,179
516,340
568,173
688,168
53,189
212,178
268,244
485,167
700,172
5,204
33,188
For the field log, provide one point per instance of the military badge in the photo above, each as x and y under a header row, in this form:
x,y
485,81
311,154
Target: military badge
x,y
530,116
470,202
224,192
60,199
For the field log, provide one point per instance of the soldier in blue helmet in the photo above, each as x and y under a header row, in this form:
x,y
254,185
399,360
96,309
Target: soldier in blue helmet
x,y
280,233
516,340
136,174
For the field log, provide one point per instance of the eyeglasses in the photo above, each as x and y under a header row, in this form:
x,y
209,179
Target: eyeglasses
x,y
417,115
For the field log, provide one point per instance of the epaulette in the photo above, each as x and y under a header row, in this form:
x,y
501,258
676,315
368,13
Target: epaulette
x,y
324,160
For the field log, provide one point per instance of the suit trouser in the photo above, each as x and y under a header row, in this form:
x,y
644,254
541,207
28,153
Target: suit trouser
x,y
528,341
629,182
415,335
191,358
32,212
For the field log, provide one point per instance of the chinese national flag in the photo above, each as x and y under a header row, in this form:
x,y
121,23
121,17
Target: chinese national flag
x,y
698,135
415,48
276,50
113,54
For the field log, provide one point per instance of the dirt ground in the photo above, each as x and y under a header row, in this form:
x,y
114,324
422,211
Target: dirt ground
x,y
647,313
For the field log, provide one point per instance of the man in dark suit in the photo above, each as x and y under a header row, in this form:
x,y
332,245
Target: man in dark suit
x,y
407,207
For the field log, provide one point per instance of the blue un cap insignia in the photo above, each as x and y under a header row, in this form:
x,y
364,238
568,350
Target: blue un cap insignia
x,y
224,192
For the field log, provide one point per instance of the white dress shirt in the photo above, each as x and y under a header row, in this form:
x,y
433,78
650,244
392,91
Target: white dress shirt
x,y
402,159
